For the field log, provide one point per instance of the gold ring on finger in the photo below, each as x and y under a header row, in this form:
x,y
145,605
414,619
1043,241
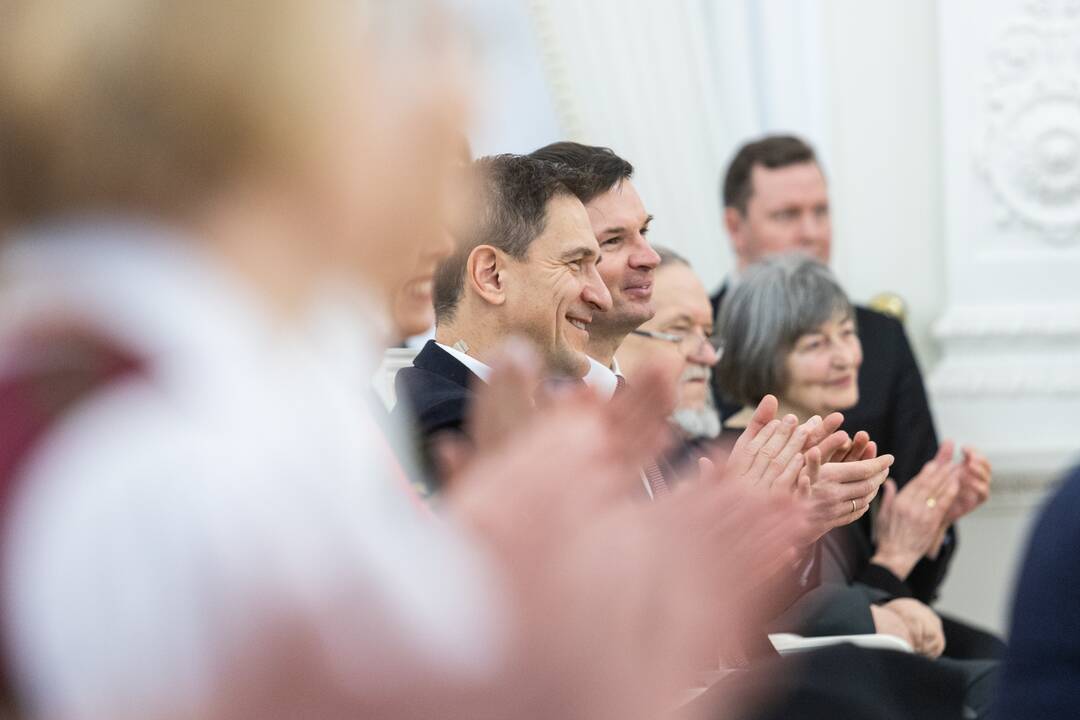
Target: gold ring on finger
x,y
931,503
854,507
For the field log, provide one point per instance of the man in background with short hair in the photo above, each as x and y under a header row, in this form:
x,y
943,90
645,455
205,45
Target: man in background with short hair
x,y
621,225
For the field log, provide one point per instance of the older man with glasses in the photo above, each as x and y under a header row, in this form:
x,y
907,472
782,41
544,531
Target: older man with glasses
x,y
678,339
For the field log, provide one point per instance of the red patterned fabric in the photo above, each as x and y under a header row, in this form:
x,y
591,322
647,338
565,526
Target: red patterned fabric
x,y
43,376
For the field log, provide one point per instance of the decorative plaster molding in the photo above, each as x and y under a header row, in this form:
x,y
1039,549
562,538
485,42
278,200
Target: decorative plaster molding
x,y
1010,322
960,380
1025,490
1028,147
1024,476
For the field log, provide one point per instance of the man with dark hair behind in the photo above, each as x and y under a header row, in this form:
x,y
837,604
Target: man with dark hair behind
x,y
776,201
621,225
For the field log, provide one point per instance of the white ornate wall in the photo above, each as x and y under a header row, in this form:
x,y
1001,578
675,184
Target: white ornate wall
x,y
951,134
1009,377
884,167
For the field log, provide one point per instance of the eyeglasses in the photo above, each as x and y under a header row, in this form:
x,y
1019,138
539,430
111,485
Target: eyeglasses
x,y
689,343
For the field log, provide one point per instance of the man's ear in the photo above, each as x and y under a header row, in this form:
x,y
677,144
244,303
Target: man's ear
x,y
485,273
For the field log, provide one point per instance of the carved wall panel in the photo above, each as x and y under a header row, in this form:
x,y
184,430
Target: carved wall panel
x,y
1009,378
1029,139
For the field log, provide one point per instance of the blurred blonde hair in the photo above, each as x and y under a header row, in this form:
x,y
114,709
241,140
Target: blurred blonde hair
x,y
153,105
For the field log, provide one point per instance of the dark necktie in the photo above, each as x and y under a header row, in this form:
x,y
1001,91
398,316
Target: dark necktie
x,y
657,483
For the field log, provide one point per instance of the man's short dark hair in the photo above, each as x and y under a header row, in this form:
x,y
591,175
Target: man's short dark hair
x,y
512,193
601,168
772,152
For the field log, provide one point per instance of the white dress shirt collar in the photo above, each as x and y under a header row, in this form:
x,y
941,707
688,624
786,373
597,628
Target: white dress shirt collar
x,y
478,368
603,379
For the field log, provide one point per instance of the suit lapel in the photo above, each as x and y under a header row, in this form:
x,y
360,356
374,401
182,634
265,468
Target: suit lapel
x,y
436,360
717,298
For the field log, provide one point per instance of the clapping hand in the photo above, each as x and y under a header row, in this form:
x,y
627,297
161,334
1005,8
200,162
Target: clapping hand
x,y
974,484
839,493
841,478
768,452
611,603
912,520
835,477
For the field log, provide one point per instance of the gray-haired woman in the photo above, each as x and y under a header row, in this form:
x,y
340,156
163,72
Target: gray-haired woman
x,y
788,329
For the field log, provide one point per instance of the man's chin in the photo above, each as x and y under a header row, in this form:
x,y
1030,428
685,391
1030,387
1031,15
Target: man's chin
x,y
570,363
630,315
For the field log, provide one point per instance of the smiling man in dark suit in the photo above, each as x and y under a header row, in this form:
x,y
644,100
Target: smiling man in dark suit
x,y
526,266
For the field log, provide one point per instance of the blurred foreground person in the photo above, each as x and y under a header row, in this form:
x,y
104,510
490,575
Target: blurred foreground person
x,y
200,518
1041,678
185,492
413,305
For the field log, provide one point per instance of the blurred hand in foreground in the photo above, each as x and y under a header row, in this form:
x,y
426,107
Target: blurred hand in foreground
x,y
612,602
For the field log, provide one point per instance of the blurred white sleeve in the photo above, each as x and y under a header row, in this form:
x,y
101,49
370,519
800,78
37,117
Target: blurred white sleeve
x,y
146,551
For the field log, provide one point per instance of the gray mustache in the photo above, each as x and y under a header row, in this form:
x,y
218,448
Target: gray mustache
x,y
696,372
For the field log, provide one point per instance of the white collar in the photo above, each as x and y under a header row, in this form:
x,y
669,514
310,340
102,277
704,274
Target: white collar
x,y
603,379
478,368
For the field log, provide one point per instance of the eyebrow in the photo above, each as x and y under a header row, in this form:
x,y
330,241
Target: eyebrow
x,y
681,317
622,228
686,319
578,253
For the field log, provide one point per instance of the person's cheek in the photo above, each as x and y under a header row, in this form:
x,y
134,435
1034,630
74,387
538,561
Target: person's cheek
x,y
676,367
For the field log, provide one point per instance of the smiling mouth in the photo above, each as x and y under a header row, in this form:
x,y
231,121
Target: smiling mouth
x,y
579,324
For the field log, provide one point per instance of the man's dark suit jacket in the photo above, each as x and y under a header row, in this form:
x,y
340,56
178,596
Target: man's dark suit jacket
x,y
1042,665
894,410
434,394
